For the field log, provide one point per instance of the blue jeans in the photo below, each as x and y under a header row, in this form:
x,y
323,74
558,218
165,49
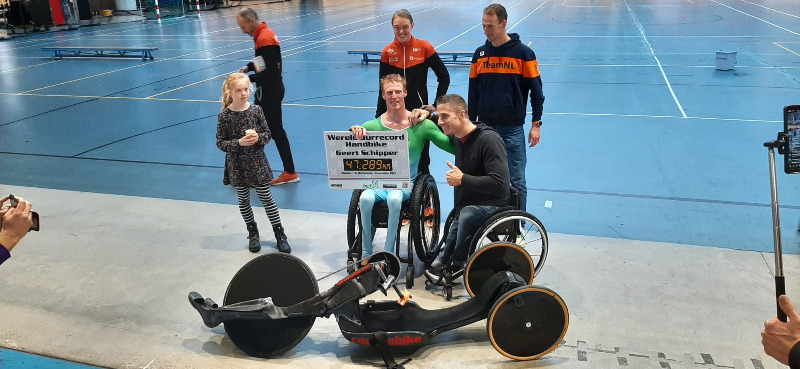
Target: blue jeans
x,y
394,199
515,140
469,219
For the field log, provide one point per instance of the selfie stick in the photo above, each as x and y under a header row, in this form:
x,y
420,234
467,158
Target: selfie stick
x,y
780,286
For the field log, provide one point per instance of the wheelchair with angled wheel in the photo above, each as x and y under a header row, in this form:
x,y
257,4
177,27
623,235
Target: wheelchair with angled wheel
x,y
422,212
273,300
507,224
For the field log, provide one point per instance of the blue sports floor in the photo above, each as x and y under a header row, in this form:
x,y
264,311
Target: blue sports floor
x,y
642,138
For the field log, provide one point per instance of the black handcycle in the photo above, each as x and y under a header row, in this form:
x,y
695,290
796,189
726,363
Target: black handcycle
x,y
273,300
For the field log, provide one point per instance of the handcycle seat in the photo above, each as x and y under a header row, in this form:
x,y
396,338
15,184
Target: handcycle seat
x,y
388,316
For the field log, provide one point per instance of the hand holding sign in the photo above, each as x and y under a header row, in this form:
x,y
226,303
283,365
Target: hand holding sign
x,y
359,132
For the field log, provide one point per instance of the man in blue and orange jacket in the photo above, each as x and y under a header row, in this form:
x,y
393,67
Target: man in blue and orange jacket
x,y
503,72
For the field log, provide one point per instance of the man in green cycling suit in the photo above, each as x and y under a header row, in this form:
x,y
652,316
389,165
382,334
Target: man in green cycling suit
x,y
396,118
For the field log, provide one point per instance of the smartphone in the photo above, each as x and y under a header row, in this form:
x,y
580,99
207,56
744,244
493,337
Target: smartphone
x,y
791,128
34,215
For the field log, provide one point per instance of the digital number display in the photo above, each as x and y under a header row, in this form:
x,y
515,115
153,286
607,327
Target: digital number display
x,y
368,165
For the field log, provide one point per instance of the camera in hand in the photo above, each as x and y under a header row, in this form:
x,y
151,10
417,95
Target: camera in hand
x,y
34,215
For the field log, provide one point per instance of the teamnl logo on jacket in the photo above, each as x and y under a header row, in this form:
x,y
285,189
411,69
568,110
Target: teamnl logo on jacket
x,y
509,64
504,65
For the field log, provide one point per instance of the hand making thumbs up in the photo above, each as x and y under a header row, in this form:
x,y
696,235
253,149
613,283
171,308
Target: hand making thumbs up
x,y
454,175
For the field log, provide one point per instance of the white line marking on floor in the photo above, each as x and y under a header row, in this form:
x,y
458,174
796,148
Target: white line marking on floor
x,y
753,16
372,107
148,364
29,66
123,69
528,15
768,8
459,35
191,84
652,52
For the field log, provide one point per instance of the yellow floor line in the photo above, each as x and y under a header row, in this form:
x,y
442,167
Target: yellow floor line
x,y
786,48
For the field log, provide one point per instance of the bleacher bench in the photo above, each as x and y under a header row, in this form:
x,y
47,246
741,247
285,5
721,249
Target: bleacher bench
x,y
448,57
126,52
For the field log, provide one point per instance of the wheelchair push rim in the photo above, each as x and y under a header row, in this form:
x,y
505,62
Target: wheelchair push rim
x,y
508,226
288,280
528,322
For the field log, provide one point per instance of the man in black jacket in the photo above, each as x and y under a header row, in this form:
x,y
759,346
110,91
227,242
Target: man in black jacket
x,y
479,177
782,340
268,68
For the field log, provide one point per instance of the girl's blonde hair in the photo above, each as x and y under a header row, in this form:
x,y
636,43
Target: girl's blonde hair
x,y
230,84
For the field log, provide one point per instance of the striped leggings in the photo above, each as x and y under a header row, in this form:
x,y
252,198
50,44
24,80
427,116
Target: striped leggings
x,y
265,196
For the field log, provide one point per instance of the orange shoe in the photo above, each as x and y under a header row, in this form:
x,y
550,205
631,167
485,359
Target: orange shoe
x,y
285,178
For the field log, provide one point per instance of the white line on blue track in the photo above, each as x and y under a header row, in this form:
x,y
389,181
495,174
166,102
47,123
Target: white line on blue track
x,y
652,52
753,16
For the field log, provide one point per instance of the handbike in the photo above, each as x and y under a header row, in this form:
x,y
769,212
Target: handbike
x,y
278,293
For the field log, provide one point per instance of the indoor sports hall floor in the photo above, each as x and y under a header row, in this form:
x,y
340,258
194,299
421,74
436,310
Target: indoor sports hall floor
x,y
660,226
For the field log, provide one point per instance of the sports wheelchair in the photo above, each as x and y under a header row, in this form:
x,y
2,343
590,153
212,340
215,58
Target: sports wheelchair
x,y
272,302
507,224
421,210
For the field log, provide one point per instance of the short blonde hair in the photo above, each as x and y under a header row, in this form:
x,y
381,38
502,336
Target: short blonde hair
x,y
392,78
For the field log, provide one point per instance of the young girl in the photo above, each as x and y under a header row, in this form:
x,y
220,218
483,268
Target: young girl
x,y
242,133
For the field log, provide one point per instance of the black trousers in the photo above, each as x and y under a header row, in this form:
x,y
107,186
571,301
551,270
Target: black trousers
x,y
270,99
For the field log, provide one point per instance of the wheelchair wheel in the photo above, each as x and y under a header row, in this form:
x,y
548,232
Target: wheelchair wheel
x,y
425,215
288,280
527,322
507,226
496,257
430,275
354,250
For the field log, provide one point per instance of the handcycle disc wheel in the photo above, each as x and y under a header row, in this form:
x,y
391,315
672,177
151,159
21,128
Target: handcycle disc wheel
x,y
527,322
496,257
288,280
425,215
517,227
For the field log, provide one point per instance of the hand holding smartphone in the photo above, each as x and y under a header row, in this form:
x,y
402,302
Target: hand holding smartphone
x,y
791,129
34,215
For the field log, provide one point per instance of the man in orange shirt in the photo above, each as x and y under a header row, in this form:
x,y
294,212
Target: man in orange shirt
x,y
269,80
